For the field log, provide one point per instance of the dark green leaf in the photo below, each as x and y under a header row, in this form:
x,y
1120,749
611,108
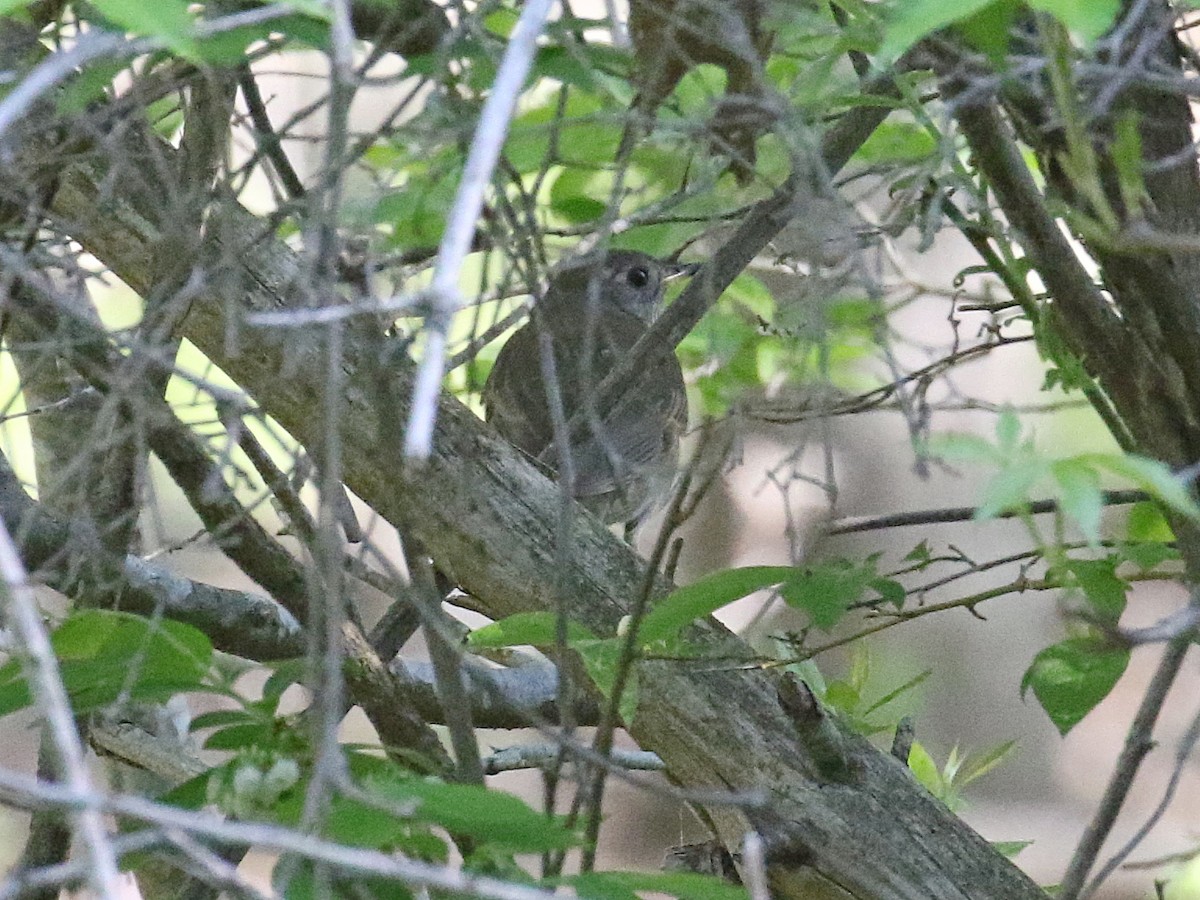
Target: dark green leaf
x,y
989,30
890,590
14,692
1071,677
489,815
241,736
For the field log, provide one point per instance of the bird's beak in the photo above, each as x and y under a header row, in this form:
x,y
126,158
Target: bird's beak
x,y
681,270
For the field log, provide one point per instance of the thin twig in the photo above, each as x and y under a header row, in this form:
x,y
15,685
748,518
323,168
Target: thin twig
x,y
854,524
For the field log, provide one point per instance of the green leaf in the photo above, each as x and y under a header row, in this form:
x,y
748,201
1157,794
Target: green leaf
x,y
218,718
890,590
990,30
89,85
908,686
491,816
1149,555
600,658
826,591
920,554
704,597
1153,477
911,20
1088,19
894,142
168,20
963,448
1104,590
1146,522
417,212
14,691
1069,678
1009,849
976,765
925,770
104,655
1080,497
536,629
1010,488
1008,431
580,195
242,736
285,674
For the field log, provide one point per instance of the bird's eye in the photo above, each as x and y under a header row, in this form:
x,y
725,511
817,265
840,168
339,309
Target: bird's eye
x,y
638,277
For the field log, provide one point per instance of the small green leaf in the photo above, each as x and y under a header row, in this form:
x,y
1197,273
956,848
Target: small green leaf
x,y
285,674
1009,849
920,554
1149,555
1105,592
168,20
104,655
1008,431
1079,494
1010,488
600,658
704,597
1153,477
491,816
963,448
1069,678
925,770
1088,19
890,590
894,142
912,20
976,765
826,591
14,691
242,736
536,629
1146,522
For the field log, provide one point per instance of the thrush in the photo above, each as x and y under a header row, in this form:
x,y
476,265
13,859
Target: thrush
x,y
623,453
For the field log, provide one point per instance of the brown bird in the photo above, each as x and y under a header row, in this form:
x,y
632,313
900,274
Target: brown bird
x,y
625,456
